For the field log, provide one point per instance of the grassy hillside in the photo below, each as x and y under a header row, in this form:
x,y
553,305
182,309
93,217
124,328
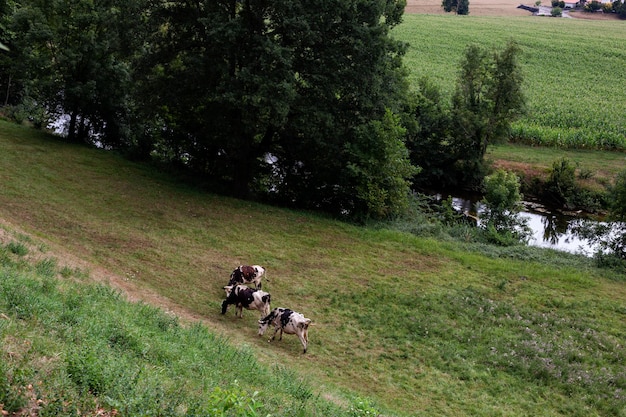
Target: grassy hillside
x,y
574,80
420,326
71,347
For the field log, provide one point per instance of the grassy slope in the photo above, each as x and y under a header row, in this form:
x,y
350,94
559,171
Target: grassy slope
x,y
530,163
423,326
573,68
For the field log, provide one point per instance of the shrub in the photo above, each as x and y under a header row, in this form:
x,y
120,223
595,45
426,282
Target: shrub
x,y
560,187
556,12
502,224
592,6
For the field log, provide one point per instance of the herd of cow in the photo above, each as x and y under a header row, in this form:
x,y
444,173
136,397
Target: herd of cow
x,y
242,296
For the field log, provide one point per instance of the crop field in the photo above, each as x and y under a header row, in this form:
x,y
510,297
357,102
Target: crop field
x,y
573,70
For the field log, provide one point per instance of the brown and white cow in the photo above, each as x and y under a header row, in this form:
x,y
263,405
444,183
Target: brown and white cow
x,y
288,321
248,298
246,274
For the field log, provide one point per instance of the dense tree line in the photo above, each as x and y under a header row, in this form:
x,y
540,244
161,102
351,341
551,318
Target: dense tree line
x,y
304,104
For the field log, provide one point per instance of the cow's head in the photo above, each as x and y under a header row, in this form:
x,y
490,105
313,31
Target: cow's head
x,y
228,289
263,325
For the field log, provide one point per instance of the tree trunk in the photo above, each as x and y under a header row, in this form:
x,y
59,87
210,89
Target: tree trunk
x,y
6,97
71,130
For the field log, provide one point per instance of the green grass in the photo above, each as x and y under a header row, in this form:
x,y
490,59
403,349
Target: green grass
x,y
574,80
416,325
596,169
72,348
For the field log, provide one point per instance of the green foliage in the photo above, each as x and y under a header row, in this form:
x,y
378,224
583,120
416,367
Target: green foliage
x,y
460,7
559,115
556,12
592,6
363,408
487,99
449,144
381,183
305,85
562,189
610,238
617,199
233,402
73,58
501,221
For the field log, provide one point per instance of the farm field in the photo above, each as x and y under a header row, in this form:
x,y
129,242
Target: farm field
x,y
418,326
477,7
573,76
501,8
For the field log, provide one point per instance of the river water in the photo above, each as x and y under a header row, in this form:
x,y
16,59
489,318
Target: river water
x,y
549,229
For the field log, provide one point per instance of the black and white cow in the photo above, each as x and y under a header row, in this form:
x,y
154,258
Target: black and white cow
x,y
248,298
288,321
246,274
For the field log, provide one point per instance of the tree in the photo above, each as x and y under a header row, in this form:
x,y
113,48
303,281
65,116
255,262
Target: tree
x,y
429,136
488,97
73,57
459,6
610,236
349,75
284,95
502,202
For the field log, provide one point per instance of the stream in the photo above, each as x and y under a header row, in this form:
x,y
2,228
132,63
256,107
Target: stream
x,y
550,229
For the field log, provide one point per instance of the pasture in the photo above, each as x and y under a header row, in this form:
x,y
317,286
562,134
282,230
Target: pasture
x,y
573,69
417,325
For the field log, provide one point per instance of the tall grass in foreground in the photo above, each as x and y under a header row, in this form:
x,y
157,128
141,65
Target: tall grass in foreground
x,y
73,348
574,79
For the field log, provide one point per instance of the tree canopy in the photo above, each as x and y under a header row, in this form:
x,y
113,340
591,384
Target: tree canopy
x,y
304,104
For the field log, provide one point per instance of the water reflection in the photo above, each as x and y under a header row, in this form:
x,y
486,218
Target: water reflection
x,y
555,231
549,229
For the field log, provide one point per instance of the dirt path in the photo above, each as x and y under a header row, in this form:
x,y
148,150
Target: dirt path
x,y
133,291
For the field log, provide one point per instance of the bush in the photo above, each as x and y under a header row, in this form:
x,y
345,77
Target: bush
x,y
560,188
502,224
592,6
556,12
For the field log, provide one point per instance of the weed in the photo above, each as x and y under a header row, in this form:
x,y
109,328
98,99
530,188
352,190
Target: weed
x,y
11,397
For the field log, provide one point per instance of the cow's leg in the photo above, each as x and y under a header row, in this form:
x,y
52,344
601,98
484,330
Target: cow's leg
x,y
303,340
274,335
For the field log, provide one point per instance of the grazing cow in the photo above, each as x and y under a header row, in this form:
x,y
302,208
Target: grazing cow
x,y
244,297
288,321
245,274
